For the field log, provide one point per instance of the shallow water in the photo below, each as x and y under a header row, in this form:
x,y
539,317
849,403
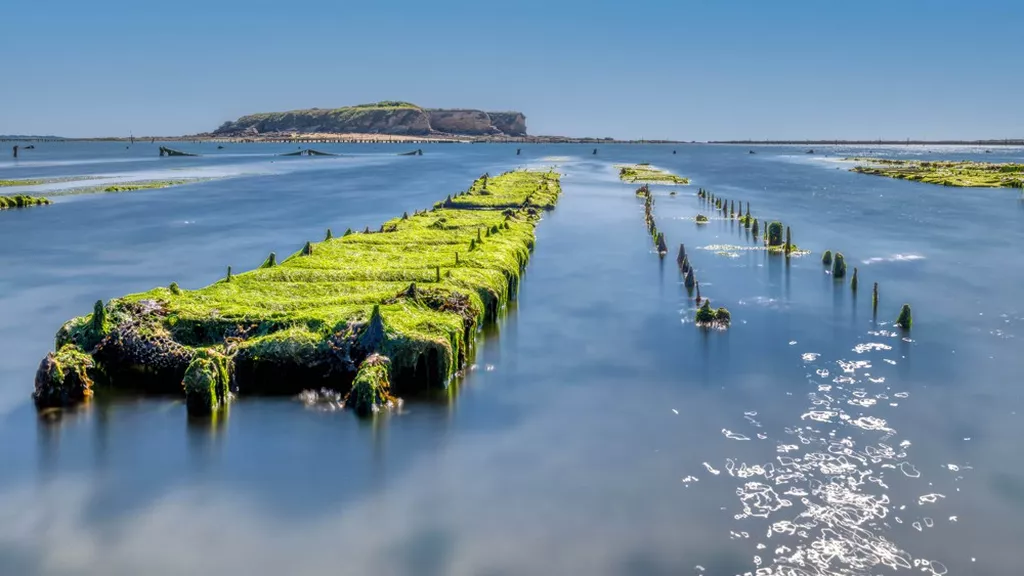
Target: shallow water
x,y
599,432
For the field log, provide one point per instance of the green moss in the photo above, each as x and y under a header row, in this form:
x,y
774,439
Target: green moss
x,y
707,317
647,173
22,201
826,258
775,233
838,265
98,323
905,320
135,186
4,183
946,173
63,378
701,219
371,388
311,308
207,381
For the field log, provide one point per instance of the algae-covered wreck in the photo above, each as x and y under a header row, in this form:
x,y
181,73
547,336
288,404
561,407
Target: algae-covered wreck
x,y
372,314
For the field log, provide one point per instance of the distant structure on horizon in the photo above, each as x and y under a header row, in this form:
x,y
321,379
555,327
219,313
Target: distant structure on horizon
x,y
388,117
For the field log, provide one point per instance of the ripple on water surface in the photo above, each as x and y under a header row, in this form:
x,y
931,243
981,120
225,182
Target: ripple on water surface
x,y
826,500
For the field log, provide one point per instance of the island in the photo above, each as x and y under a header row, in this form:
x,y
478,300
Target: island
x,y
965,173
394,118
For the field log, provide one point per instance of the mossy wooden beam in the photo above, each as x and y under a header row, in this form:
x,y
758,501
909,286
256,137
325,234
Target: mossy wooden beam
x,y
22,201
946,173
412,293
649,174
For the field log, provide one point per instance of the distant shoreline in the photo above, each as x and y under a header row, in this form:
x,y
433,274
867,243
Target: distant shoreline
x,y
1002,142
355,139
327,138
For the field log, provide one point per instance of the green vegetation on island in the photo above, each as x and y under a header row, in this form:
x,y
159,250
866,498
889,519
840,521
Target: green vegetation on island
x,y
369,313
945,172
386,117
645,173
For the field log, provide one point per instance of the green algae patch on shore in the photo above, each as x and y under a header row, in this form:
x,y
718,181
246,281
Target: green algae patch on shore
x,y
965,174
646,173
22,201
4,183
415,292
127,186
152,185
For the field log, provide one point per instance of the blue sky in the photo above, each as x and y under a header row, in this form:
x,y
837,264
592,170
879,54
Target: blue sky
x,y
640,69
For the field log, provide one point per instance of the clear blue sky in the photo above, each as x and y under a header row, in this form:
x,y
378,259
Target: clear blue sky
x,y
674,69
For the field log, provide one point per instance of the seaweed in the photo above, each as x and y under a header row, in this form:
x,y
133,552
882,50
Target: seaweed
x,y
838,265
708,318
966,174
775,233
647,173
410,293
905,320
22,201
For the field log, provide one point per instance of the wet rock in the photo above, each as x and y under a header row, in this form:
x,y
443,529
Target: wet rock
x,y
63,378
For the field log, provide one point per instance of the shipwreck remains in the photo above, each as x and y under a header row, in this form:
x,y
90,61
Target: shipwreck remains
x,y
371,314
309,152
165,151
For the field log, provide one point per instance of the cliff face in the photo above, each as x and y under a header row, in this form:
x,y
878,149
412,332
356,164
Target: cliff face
x,y
511,123
473,122
399,118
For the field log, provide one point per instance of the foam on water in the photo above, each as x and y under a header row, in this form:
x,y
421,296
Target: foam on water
x,y
893,258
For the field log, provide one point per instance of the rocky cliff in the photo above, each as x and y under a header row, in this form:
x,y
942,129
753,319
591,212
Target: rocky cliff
x,y
511,123
399,118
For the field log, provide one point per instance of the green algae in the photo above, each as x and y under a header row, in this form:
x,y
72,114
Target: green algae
x,y
63,378
307,315
838,265
774,234
709,318
905,319
701,219
647,173
966,174
371,388
207,383
21,182
22,201
826,258
135,186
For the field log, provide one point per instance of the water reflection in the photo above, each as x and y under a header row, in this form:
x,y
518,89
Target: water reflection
x,y
590,406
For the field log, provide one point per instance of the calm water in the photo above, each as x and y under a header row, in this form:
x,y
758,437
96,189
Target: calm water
x,y
600,432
